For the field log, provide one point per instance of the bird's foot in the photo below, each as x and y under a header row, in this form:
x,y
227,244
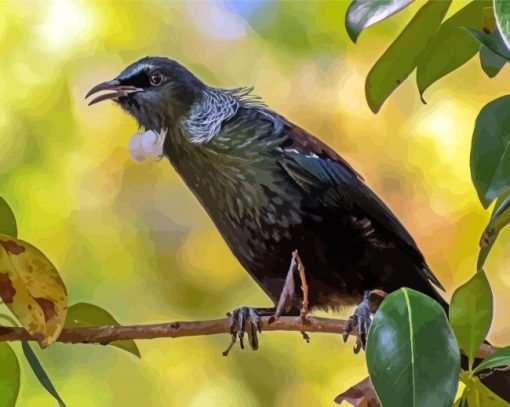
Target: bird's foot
x,y
362,317
246,320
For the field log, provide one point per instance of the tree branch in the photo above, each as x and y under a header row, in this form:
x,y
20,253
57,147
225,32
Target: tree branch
x,y
106,334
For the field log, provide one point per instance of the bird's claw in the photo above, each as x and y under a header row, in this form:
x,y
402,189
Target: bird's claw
x,y
361,320
244,320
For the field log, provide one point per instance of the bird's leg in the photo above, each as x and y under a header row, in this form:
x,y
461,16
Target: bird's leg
x,y
287,294
304,287
362,317
286,301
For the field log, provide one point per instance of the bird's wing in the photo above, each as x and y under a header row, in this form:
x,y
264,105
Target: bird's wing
x,y
320,171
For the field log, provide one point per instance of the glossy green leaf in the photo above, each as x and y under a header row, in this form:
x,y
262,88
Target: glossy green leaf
x,y
452,46
9,376
403,55
7,220
493,41
471,313
86,315
491,62
412,355
499,219
362,14
490,152
499,358
40,373
502,13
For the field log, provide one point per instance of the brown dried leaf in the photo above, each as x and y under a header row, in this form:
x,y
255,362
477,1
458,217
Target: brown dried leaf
x,y
360,395
32,289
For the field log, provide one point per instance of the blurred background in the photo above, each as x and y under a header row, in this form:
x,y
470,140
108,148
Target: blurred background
x,y
132,239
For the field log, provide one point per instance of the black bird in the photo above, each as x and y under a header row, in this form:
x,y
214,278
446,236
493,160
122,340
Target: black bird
x,y
271,188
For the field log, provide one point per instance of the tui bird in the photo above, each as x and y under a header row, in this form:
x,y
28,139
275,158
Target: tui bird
x,y
272,188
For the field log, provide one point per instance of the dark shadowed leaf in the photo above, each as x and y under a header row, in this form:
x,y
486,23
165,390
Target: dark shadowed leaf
x,y
361,394
7,219
493,41
40,373
32,289
502,13
87,315
412,355
9,376
498,359
471,313
491,62
490,155
404,53
452,46
499,219
364,13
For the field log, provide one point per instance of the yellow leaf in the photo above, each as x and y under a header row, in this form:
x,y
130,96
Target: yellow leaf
x,y
32,289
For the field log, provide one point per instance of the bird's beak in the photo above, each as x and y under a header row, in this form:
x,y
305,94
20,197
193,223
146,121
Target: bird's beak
x,y
114,85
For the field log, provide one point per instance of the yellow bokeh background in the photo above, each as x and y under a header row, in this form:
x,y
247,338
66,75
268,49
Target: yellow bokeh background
x,y
132,239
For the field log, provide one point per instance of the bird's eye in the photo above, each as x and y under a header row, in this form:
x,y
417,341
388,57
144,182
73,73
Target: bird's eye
x,y
156,78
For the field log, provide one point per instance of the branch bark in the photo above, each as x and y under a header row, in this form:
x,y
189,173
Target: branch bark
x,y
106,334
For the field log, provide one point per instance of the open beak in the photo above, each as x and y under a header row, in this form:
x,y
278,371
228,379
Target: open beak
x,y
113,85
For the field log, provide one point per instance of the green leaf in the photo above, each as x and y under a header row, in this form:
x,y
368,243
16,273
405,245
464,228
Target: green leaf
x,y
32,289
404,53
478,395
412,355
9,376
7,220
362,14
488,20
493,41
499,219
452,45
491,62
490,152
499,358
40,373
502,13
86,315
471,314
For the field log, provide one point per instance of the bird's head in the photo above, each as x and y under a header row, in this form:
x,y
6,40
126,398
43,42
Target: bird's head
x,y
156,91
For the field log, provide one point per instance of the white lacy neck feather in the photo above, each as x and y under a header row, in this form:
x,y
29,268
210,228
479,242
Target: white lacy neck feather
x,y
215,107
